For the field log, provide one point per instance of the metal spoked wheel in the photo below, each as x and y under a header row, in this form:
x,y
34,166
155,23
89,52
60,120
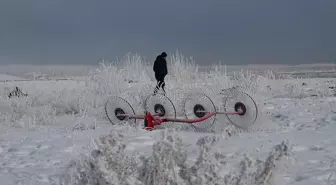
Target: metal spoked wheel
x,y
118,111
243,103
160,104
197,105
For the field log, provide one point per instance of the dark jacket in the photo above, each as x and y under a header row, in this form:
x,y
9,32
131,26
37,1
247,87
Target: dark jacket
x,y
160,66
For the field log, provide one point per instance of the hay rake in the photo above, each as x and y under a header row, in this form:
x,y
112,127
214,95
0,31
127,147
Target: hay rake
x,y
198,110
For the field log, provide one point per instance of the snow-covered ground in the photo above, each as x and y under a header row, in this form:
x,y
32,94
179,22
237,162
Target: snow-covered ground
x,y
47,137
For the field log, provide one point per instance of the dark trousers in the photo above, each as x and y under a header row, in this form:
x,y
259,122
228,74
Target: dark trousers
x,y
160,82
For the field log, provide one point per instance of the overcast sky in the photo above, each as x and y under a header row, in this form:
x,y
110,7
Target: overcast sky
x,y
233,31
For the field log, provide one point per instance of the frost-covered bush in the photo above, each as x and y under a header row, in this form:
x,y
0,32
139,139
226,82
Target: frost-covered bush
x,y
108,165
246,80
105,80
41,108
134,69
169,164
183,69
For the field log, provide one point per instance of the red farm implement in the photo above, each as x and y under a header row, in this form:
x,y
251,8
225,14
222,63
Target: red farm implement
x,y
198,110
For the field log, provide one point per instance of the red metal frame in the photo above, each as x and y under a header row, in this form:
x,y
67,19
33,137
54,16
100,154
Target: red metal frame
x,y
155,119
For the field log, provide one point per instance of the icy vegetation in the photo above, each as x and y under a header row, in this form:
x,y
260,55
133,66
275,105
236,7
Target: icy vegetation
x,y
59,134
168,164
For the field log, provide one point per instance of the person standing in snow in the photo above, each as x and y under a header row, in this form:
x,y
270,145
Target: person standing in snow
x,y
160,70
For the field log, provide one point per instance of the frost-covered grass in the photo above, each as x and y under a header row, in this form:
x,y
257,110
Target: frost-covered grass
x,y
47,137
168,164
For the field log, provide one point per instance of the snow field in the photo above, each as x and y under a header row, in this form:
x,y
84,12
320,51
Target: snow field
x,y
59,133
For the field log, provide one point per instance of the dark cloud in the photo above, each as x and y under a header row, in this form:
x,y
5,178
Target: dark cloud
x,y
234,31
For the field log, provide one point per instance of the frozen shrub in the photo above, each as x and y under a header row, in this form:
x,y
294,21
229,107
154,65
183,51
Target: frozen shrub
x,y
294,91
162,167
17,92
105,80
107,165
206,169
169,164
182,68
45,115
114,158
269,74
134,69
19,108
83,171
246,80
66,102
84,123
257,172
